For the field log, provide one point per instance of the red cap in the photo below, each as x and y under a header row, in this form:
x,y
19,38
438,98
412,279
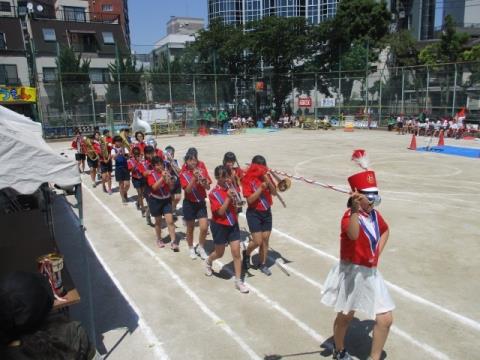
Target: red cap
x,y
363,181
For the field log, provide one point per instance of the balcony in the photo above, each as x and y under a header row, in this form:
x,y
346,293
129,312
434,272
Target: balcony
x,y
86,17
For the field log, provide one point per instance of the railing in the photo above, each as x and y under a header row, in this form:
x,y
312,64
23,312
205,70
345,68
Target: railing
x,y
86,17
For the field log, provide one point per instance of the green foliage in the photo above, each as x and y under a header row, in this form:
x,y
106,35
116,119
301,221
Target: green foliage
x,y
75,79
402,49
449,49
131,84
282,44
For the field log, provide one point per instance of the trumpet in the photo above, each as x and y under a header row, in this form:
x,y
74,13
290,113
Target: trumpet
x,y
237,198
200,178
172,164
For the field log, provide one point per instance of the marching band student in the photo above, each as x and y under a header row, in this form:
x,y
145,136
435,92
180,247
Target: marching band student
x,y
194,152
235,173
138,180
122,175
195,182
146,169
258,190
93,163
79,145
139,141
355,284
224,225
177,188
106,163
160,202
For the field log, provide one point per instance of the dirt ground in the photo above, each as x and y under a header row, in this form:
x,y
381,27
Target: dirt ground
x,y
431,261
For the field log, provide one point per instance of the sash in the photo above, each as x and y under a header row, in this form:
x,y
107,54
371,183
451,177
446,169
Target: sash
x,y
163,194
229,215
373,235
262,198
135,169
194,191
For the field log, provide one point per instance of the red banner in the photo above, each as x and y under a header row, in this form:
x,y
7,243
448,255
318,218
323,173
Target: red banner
x,y
305,102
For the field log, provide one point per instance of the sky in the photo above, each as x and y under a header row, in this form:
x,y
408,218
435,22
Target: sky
x,y
148,19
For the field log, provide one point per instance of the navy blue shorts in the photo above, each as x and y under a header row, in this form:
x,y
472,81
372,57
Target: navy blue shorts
x,y
122,174
194,210
159,207
106,167
92,164
224,234
138,183
259,221
79,156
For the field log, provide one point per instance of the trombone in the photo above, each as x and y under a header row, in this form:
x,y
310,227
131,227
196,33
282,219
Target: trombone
x,y
281,185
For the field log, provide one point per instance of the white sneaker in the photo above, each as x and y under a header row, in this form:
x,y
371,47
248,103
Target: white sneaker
x,y
201,252
240,285
208,268
193,255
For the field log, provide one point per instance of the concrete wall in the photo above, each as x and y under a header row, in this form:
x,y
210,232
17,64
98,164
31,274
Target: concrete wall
x,y
22,67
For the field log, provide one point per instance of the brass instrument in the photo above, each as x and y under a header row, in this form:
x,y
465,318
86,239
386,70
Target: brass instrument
x,y
200,178
125,143
171,161
104,148
91,153
237,198
281,185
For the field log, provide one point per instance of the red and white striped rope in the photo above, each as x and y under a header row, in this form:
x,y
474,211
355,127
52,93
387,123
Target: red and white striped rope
x,y
310,181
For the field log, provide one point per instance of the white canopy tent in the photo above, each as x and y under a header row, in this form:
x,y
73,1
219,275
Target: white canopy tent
x,y
28,163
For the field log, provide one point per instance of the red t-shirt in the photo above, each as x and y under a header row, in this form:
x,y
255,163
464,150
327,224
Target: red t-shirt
x,y
200,164
365,249
135,167
141,146
163,192
198,192
78,140
264,201
217,198
96,147
144,166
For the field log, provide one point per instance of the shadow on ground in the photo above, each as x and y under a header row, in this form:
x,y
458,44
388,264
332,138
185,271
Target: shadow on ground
x,y
111,310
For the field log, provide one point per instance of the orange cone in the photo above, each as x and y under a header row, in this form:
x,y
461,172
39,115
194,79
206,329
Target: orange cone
x,y
441,140
413,143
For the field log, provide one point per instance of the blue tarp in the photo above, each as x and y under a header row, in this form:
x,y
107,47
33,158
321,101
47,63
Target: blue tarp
x,y
453,150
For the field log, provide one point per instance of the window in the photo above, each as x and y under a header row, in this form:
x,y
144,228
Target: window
x,y
49,74
5,6
107,7
99,75
73,13
49,35
3,43
108,38
9,75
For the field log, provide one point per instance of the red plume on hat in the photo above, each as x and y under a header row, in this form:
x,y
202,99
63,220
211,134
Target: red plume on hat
x,y
360,157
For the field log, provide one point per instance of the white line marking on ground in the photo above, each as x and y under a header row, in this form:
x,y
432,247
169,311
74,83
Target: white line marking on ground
x,y
460,318
144,327
217,320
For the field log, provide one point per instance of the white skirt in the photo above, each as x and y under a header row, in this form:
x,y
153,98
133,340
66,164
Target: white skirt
x,y
351,287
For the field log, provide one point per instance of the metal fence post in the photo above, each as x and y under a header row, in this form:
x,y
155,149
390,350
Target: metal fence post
x,y
93,104
194,106
380,98
428,89
454,91
402,107
117,59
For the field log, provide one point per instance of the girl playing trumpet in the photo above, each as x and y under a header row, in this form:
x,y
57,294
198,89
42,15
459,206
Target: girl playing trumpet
x,y
160,201
195,182
258,189
224,225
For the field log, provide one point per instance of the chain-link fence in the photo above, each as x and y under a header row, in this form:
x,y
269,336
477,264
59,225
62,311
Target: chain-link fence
x,y
182,102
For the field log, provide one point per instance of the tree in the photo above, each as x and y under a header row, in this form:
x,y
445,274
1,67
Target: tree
x,y
163,74
73,72
340,39
282,44
131,84
402,49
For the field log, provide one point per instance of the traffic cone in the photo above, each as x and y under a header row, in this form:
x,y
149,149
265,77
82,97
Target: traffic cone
x,y
441,140
413,143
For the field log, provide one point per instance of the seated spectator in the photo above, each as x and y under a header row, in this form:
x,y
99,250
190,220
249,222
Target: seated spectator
x,y
27,333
